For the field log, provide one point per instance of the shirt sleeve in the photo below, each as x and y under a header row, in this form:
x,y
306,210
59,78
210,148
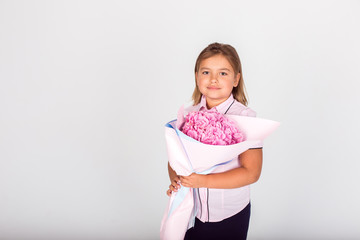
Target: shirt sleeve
x,y
251,113
248,112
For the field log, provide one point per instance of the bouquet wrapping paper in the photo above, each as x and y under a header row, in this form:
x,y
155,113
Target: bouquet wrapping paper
x,y
187,155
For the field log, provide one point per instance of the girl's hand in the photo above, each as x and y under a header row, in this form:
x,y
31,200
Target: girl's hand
x,y
174,186
193,181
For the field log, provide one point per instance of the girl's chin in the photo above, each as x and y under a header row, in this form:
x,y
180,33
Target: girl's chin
x,y
216,98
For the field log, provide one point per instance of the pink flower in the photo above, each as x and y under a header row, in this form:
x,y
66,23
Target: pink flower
x,y
211,127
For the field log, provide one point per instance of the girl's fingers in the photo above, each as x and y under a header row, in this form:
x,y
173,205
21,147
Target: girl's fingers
x,y
177,180
184,182
173,188
176,184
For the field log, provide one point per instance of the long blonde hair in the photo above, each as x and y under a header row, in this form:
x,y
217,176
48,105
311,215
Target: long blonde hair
x,y
226,50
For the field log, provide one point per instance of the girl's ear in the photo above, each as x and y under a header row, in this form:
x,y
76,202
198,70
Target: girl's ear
x,y
237,79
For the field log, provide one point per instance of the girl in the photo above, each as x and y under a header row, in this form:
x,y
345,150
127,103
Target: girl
x,y
224,195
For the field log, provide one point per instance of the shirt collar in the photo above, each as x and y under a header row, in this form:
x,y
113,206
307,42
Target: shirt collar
x,y
221,108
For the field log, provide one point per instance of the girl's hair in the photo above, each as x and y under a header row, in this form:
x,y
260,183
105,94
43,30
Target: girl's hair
x,y
231,55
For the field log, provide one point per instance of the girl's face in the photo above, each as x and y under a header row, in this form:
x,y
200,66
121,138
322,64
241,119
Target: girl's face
x,y
216,79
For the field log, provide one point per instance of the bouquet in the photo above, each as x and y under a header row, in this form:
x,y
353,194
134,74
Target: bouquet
x,y
212,127
193,150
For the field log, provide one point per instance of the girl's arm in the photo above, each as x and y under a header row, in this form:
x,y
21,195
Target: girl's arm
x,y
172,173
248,173
174,179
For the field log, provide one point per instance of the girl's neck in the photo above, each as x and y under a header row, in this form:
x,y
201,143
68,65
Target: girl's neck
x,y
213,103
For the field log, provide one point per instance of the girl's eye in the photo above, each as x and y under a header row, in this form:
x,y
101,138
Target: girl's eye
x,y
223,73
205,72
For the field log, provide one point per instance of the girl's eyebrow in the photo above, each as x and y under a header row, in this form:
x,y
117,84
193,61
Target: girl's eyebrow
x,y
205,68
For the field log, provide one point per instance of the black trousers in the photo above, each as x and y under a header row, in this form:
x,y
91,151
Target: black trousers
x,y
235,227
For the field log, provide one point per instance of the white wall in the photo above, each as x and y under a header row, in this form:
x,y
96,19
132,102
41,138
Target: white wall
x,y
87,86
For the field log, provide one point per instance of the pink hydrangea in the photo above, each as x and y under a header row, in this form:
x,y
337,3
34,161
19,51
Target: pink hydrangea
x,y
211,127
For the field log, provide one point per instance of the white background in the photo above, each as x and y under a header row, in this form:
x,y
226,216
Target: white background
x,y
87,86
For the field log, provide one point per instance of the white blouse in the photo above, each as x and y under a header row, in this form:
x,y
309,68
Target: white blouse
x,y
218,204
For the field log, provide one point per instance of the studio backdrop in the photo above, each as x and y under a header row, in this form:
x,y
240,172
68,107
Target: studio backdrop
x,y
86,88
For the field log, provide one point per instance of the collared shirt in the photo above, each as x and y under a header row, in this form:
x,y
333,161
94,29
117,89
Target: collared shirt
x,y
215,205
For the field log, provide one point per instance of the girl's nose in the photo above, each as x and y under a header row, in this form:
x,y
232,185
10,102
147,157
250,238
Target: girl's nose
x,y
213,79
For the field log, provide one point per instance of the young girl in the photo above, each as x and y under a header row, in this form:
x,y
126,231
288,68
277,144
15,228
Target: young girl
x,y
224,195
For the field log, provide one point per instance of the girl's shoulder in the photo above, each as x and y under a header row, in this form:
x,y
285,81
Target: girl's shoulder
x,y
191,108
240,109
